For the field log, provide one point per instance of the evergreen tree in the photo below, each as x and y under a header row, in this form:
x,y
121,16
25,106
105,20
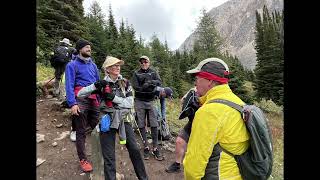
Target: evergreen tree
x,y
57,19
112,35
96,24
208,40
159,59
269,46
130,49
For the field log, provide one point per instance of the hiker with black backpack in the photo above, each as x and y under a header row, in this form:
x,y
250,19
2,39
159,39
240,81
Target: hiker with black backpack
x,y
229,139
61,56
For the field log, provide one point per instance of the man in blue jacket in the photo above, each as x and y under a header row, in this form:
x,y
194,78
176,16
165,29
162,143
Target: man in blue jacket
x,y
82,72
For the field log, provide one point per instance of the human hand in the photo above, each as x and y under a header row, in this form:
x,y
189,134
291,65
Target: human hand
x,y
75,109
155,82
100,84
109,96
145,85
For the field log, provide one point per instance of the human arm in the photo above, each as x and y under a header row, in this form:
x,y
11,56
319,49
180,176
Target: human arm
x,y
135,82
126,102
70,75
69,85
93,88
97,76
156,80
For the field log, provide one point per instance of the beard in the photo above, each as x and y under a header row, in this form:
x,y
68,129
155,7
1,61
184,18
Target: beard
x,y
86,54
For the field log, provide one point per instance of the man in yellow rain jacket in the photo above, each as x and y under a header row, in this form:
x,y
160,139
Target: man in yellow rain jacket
x,y
214,126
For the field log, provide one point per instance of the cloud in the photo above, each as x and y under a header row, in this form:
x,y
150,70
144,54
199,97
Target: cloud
x,y
171,20
148,18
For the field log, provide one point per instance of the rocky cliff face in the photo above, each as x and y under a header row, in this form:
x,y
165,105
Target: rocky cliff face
x,y
235,21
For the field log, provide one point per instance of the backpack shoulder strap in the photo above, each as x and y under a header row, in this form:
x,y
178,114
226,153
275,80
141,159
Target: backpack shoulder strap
x,y
228,103
224,150
231,104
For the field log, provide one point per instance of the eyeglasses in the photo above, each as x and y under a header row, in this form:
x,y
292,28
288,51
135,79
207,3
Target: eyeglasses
x,y
116,65
144,62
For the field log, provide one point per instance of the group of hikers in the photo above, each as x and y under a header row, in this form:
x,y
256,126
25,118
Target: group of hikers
x,y
107,104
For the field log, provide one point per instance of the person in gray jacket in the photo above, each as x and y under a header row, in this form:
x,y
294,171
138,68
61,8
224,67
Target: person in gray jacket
x,y
117,103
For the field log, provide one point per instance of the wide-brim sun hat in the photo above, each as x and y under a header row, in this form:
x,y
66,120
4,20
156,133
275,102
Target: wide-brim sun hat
x,y
67,41
111,61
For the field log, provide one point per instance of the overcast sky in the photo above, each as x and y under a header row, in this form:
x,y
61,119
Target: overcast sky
x,y
173,20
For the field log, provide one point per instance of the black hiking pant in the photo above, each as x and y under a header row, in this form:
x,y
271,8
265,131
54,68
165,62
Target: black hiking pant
x,y
58,71
88,116
107,141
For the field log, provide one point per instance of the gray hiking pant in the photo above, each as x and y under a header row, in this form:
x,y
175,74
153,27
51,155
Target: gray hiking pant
x,y
59,70
145,112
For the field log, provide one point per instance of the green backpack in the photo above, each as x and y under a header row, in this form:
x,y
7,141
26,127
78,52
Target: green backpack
x,y
256,162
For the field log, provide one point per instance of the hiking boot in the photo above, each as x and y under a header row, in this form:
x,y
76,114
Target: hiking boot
x,y
146,153
73,136
156,154
173,168
85,166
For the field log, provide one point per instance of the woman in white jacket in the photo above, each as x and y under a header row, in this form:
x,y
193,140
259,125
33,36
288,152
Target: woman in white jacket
x,y
116,102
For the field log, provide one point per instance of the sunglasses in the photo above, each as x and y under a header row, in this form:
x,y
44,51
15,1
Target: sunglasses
x,y
144,62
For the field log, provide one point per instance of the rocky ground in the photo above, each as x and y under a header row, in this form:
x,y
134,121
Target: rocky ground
x,y
57,156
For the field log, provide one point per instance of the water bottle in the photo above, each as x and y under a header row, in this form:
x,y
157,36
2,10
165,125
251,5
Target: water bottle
x,y
105,123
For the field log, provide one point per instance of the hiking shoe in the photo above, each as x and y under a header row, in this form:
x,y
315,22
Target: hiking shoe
x,y
173,168
156,154
85,165
146,153
73,136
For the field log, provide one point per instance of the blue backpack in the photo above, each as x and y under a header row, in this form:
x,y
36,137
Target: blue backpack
x,y
256,163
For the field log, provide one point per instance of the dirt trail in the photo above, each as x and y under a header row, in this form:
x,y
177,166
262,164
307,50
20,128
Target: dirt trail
x,y
61,161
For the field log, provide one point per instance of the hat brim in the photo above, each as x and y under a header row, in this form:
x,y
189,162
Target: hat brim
x,y
120,61
193,71
66,43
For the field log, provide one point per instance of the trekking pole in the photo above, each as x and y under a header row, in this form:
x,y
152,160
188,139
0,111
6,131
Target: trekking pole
x,y
136,124
159,115
49,81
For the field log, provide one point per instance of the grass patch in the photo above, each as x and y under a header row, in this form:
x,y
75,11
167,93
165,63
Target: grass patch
x,y
44,72
276,126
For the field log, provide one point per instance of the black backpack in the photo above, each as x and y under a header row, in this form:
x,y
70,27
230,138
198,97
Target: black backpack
x,y
256,162
61,56
163,128
189,106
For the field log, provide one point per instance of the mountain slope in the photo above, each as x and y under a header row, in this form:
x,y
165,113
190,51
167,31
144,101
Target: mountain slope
x,y
235,21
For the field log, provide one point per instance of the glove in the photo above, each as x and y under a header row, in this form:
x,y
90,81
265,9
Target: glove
x,y
155,82
109,96
145,85
100,84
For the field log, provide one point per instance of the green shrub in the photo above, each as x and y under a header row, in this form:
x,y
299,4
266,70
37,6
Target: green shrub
x,y
269,106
